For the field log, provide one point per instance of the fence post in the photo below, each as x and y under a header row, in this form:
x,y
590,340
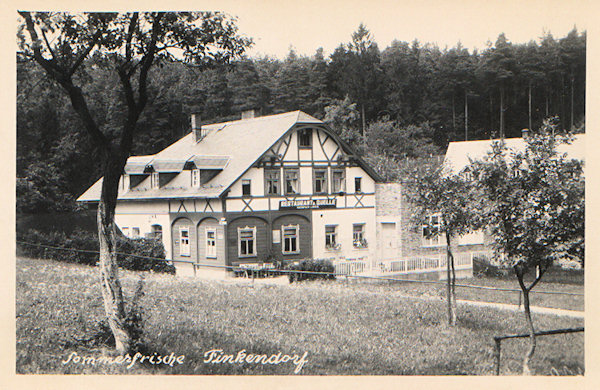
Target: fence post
x,y
497,354
194,266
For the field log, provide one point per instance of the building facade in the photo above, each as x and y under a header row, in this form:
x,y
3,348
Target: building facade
x,y
268,189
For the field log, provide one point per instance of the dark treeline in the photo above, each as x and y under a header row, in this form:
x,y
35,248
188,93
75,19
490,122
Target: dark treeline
x,y
406,101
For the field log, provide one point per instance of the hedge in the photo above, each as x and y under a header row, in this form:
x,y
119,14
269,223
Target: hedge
x,y
311,265
80,239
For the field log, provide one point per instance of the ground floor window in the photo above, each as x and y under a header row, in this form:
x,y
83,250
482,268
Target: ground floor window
x,y
135,232
211,243
247,241
156,232
358,235
331,237
184,241
290,239
430,231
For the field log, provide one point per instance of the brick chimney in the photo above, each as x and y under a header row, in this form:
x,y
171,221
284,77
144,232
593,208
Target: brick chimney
x,y
196,127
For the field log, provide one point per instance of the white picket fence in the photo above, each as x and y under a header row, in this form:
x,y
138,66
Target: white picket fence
x,y
402,266
351,266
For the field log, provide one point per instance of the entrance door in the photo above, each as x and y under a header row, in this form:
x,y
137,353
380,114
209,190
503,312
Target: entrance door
x,y
389,241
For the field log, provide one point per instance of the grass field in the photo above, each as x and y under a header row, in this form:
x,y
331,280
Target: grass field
x,y
557,301
345,329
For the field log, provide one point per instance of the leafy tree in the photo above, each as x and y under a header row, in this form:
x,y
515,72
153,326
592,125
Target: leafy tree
x,y
342,116
126,46
388,138
532,203
435,192
354,71
497,67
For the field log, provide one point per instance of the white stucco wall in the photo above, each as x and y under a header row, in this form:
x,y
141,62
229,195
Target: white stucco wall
x,y
143,215
344,219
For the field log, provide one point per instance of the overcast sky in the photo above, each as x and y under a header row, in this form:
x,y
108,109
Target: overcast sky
x,y
309,24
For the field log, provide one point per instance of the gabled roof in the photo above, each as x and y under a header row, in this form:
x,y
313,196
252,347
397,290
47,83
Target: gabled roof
x,y
241,143
459,153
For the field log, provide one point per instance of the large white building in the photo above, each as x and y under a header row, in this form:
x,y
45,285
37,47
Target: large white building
x,y
276,188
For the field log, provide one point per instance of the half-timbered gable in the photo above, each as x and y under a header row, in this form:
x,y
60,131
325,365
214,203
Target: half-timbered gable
x,y
274,188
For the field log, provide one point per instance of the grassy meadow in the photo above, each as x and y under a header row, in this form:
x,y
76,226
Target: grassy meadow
x,y
345,328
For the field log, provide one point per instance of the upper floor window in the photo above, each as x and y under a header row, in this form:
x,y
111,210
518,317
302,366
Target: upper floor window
x,y
320,181
154,180
338,182
291,182
272,182
290,239
358,185
195,178
431,231
358,235
246,187
305,138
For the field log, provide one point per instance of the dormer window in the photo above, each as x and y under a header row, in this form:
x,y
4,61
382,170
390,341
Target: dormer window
x,y
195,178
305,138
154,180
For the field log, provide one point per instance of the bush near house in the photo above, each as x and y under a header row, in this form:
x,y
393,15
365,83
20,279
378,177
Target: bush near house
x,y
311,265
87,241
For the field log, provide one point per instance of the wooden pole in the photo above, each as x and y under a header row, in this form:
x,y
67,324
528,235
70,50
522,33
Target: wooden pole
x,y
497,352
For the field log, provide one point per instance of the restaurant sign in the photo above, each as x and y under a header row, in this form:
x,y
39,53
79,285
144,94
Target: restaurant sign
x,y
299,204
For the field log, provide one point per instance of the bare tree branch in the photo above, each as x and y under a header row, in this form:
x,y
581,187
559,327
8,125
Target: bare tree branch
x,y
132,24
48,45
87,51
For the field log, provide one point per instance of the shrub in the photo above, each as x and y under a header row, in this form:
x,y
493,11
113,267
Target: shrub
x,y
87,241
311,265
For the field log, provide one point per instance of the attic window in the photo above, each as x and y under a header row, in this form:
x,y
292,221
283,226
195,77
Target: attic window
x,y
154,180
195,178
305,138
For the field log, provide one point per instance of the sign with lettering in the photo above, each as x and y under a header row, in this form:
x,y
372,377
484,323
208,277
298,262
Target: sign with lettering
x,y
299,204
276,236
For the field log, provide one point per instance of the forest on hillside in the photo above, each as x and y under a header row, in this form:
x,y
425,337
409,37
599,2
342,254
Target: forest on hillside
x,y
394,105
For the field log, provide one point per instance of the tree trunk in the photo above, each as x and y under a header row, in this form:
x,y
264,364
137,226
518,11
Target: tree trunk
x,y
466,116
451,283
547,104
364,122
502,112
453,114
532,338
111,287
572,100
491,114
530,126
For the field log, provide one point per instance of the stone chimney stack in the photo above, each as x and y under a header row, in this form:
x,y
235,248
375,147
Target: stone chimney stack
x,y
196,127
248,114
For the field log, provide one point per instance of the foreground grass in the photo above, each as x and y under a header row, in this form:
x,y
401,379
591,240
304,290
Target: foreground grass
x,y
346,329
556,301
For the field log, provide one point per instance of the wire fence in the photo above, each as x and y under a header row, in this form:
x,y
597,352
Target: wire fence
x,y
498,341
252,273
